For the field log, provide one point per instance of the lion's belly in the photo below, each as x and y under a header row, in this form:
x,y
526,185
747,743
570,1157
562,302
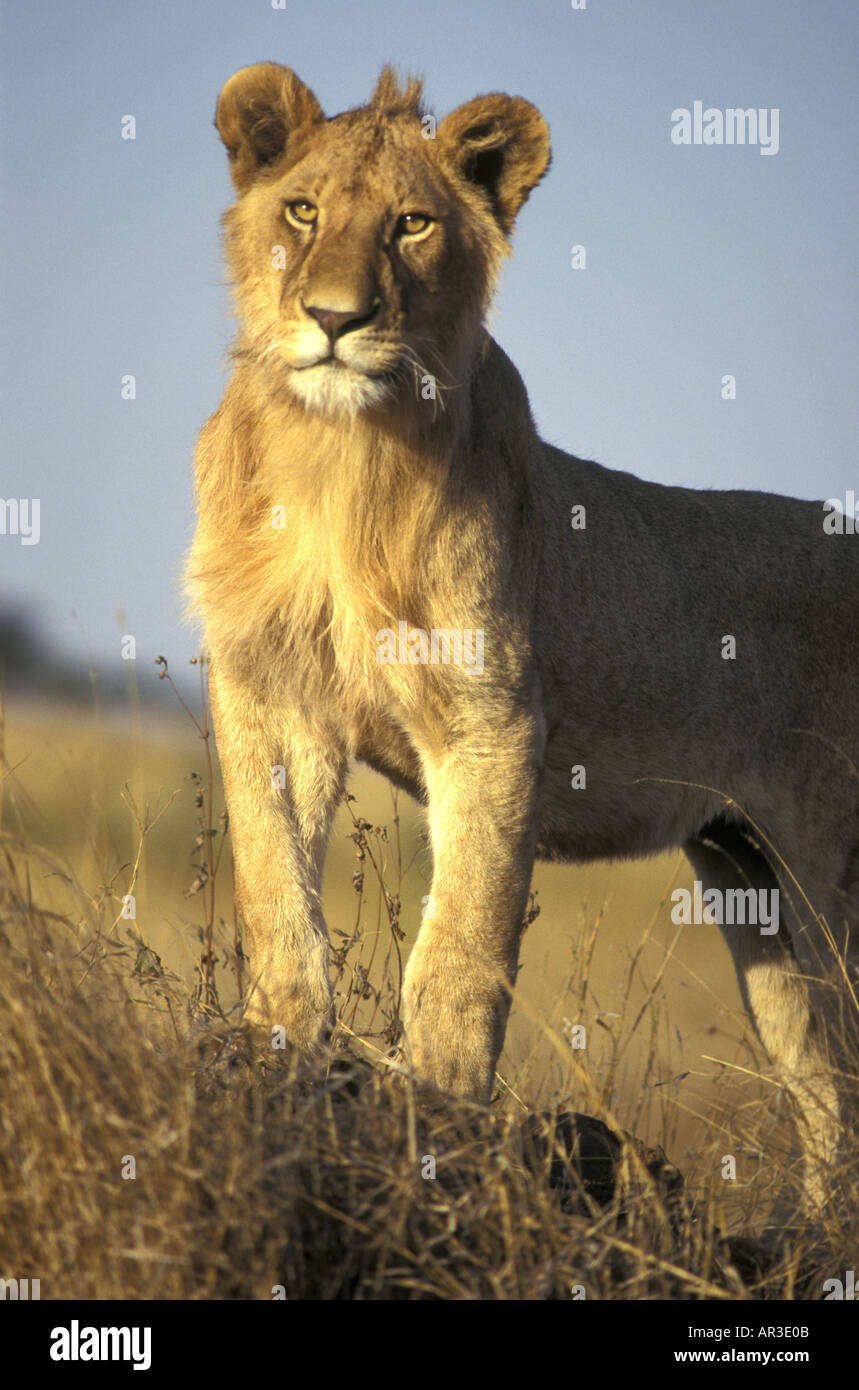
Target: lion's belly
x,y
382,745
605,809
402,773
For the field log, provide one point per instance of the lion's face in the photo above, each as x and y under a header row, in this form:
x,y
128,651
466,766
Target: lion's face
x,y
352,248
364,248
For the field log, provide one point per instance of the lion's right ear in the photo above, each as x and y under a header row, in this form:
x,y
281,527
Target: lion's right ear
x,y
259,112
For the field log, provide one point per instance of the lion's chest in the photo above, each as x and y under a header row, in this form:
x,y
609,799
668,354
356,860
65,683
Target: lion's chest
x,y
345,636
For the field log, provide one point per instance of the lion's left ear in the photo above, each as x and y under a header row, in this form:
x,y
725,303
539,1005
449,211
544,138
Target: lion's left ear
x,y
501,145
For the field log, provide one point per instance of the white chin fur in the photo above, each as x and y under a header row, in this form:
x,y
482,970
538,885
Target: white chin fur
x,y
337,390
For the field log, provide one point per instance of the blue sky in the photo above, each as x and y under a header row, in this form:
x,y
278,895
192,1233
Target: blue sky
x,y
701,260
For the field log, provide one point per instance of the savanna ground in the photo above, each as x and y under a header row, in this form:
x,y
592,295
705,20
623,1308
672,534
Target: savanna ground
x,y
147,1152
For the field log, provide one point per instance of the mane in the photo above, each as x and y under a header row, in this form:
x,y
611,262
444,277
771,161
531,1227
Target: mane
x,y
396,98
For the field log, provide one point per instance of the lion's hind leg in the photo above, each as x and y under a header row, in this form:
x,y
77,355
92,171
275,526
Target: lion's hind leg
x,y
777,995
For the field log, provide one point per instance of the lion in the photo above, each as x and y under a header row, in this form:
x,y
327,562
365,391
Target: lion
x,y
658,667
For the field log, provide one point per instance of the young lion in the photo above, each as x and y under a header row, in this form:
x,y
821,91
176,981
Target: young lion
x,y
657,666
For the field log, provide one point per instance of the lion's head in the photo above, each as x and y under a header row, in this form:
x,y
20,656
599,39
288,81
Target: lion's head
x,y
364,247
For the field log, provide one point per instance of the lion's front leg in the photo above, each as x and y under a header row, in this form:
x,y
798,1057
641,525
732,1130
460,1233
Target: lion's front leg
x,y
283,774
483,820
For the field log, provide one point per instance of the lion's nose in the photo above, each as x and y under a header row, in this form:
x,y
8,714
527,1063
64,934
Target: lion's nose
x,y
335,322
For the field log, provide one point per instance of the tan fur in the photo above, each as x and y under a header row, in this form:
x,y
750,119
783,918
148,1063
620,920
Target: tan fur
x,y
370,410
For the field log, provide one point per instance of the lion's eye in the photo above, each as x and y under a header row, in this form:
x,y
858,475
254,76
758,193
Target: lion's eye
x,y
413,223
301,213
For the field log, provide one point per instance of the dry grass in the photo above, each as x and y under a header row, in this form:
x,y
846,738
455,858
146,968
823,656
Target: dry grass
x,y
251,1177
